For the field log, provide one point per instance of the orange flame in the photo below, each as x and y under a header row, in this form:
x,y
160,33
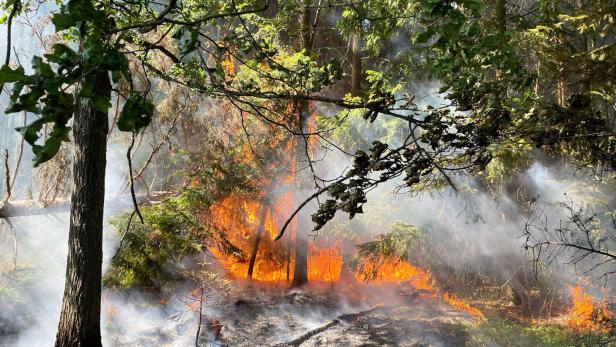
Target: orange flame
x,y
383,269
586,313
324,264
393,269
462,305
239,219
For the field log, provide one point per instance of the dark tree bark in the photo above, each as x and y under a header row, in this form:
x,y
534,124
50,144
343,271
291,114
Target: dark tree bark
x,y
300,272
81,305
255,246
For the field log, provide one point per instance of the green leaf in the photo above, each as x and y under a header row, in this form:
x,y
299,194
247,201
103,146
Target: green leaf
x,y
46,151
424,36
26,102
16,91
42,68
50,148
62,55
187,38
59,107
116,61
30,132
94,54
8,75
136,113
87,88
100,103
74,13
64,21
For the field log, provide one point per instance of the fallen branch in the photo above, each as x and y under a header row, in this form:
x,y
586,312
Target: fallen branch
x,y
26,208
30,208
340,319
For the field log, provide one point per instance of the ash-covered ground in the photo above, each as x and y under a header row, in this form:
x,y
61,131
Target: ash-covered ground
x,y
304,319
374,317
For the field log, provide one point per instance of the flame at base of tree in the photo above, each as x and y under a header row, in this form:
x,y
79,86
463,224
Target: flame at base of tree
x,y
239,220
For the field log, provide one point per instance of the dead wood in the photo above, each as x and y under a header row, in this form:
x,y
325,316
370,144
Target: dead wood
x,y
25,208
345,318
30,208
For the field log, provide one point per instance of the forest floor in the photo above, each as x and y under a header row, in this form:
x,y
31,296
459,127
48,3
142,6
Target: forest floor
x,y
420,321
327,319
329,316
259,318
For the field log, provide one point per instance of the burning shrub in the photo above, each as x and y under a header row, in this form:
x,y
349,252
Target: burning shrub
x,y
588,314
149,252
398,244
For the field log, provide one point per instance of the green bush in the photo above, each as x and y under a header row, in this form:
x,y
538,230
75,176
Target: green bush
x,y
149,250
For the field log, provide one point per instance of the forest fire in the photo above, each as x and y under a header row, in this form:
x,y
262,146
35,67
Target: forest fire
x,y
243,223
238,219
307,173
384,269
251,226
462,305
324,264
586,313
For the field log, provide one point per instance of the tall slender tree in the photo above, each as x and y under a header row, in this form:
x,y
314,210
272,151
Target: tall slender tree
x,y
300,273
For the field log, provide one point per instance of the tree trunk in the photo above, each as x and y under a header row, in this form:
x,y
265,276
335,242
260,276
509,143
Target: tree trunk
x,y
561,84
346,274
255,247
500,16
305,32
356,69
500,23
81,305
300,272
289,244
586,45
